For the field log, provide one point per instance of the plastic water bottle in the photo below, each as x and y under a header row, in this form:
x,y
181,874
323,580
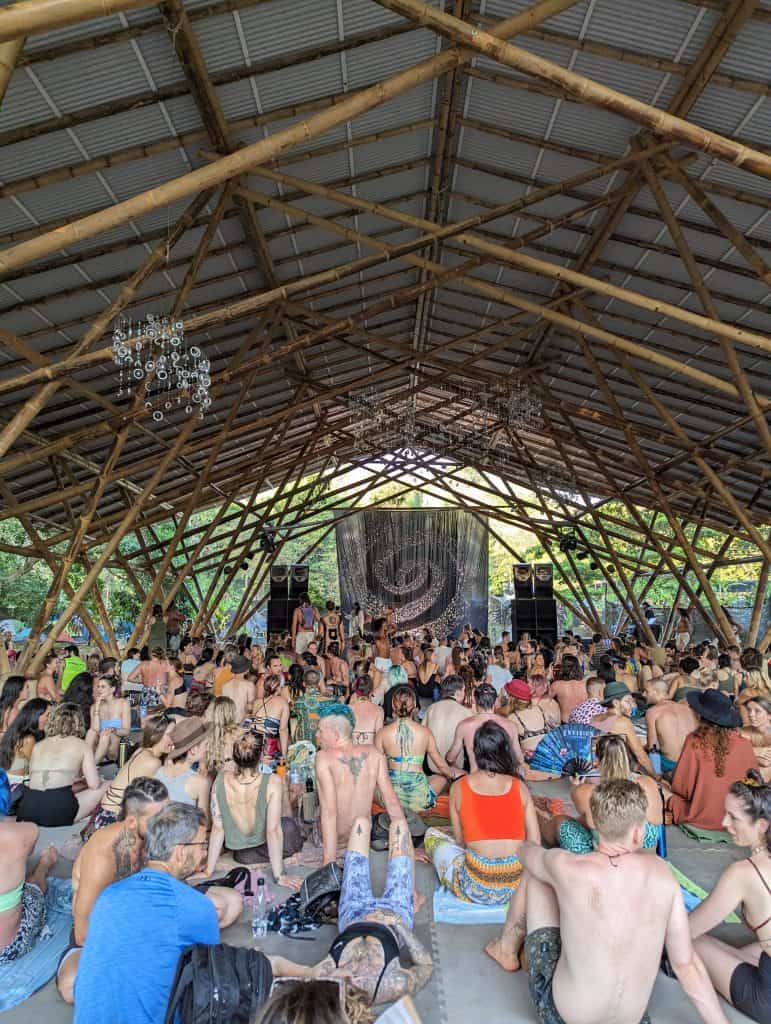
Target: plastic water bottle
x,y
261,910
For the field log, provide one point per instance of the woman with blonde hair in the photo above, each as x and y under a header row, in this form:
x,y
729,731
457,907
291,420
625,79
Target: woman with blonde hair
x,y
222,714
316,1001
579,836
756,681
56,763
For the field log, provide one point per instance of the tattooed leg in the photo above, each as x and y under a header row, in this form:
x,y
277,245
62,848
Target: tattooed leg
x,y
400,840
505,949
359,838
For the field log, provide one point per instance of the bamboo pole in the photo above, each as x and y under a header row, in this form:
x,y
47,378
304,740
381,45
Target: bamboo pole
x,y
656,120
233,164
757,604
10,51
126,524
26,17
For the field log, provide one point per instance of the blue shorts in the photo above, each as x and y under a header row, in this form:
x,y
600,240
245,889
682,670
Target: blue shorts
x,y
357,900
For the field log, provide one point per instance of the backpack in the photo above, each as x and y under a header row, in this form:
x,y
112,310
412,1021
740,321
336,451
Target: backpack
x,y
219,985
320,892
5,793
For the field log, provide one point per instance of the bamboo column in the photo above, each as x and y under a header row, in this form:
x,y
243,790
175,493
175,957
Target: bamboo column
x,y
106,553
26,17
757,605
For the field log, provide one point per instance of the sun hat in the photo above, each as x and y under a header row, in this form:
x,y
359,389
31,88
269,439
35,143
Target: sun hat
x,y
187,732
716,707
518,689
614,691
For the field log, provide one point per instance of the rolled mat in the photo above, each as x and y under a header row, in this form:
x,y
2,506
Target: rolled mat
x,y
448,909
21,978
705,835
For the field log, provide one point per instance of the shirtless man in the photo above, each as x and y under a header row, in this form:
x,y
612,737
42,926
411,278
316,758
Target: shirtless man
x,y
668,722
333,629
382,646
337,669
347,775
444,717
617,719
112,853
47,687
241,690
304,622
486,701
568,693
22,898
616,909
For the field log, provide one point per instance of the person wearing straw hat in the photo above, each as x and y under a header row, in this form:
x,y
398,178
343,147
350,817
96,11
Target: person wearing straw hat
x,y
714,756
183,772
617,719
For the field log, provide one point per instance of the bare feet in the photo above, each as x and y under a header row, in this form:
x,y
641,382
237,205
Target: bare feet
x,y
508,961
422,857
39,876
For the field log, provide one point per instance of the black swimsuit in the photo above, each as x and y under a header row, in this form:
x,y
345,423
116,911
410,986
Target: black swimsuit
x,y
367,930
751,986
528,734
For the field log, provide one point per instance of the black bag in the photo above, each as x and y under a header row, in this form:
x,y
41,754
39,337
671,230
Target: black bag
x,y
219,985
320,893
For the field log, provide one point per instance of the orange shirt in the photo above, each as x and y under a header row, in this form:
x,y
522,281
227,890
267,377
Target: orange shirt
x,y
485,816
224,675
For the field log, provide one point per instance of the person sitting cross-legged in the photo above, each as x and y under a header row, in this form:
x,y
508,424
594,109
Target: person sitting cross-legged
x,y
140,925
491,813
373,930
22,894
616,909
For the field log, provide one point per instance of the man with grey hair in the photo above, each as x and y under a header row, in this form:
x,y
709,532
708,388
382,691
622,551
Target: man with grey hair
x,y
147,919
347,775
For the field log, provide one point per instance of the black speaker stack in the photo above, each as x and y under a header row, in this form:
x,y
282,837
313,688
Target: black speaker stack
x,y
287,584
534,609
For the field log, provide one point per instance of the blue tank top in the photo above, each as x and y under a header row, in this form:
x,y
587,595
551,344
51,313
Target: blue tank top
x,y
307,617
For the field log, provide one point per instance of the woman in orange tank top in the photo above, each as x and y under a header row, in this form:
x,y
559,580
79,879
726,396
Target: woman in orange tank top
x,y
491,813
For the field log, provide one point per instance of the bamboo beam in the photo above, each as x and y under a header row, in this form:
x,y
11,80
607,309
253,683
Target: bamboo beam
x,y
663,124
757,604
10,51
233,164
26,17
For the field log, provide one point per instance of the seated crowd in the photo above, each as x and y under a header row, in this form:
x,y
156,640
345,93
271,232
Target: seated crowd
x,y
190,750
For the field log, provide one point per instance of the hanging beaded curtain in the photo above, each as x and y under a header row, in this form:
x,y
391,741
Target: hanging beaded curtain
x,y
431,567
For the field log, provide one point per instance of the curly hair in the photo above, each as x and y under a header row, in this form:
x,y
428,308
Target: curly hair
x,y
714,740
66,720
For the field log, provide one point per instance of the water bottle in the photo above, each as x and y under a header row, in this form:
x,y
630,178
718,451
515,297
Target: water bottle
x,y
261,911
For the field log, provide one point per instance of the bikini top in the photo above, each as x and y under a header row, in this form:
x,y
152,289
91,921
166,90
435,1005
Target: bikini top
x,y
367,930
110,723
529,733
757,927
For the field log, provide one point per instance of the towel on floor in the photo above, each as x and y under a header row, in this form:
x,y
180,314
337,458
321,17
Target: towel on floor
x,y
23,977
705,835
693,894
448,909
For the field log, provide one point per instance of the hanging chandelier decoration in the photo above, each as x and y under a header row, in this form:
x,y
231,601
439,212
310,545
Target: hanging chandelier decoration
x,y
153,357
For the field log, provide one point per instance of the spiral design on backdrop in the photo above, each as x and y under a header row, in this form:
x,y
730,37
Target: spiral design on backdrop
x,y
431,567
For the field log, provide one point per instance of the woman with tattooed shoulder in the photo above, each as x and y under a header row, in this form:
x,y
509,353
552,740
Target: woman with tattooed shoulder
x,y
405,743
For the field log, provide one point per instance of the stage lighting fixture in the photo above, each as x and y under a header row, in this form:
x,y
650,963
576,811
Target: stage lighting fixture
x,y
610,568
268,540
593,566
244,565
582,556
568,540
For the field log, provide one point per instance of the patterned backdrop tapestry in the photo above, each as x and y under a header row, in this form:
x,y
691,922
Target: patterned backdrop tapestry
x,y
430,566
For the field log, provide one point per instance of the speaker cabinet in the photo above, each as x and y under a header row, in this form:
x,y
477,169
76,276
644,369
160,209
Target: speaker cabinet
x,y
523,580
538,617
279,581
543,580
280,611
298,580
546,618
523,618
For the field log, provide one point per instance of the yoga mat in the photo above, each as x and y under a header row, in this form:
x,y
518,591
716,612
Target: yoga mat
x,y
693,894
705,835
448,909
21,978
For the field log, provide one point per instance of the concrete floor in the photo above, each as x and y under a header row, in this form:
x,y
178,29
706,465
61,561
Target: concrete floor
x,y
465,980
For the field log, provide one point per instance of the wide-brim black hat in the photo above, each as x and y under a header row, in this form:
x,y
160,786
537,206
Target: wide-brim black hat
x,y
714,706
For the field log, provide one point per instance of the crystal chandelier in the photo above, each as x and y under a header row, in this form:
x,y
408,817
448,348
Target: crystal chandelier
x,y
153,358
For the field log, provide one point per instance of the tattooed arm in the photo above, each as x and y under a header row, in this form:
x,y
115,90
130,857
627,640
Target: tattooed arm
x,y
388,797
398,980
217,837
96,873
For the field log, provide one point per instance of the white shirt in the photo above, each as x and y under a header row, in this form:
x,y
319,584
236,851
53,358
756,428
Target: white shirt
x,y
498,676
442,653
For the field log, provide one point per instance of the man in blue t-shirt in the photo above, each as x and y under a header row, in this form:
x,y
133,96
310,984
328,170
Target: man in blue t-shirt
x,y
140,925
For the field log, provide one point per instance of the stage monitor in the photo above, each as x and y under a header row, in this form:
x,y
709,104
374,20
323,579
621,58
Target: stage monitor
x,y
298,580
279,581
523,580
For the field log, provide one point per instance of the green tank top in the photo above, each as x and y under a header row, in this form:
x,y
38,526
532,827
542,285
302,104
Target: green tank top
x,y
235,839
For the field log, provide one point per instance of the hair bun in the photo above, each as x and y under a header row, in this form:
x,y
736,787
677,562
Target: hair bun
x,y
753,779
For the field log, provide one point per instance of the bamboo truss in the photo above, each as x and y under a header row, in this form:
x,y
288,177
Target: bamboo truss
x,y
444,248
